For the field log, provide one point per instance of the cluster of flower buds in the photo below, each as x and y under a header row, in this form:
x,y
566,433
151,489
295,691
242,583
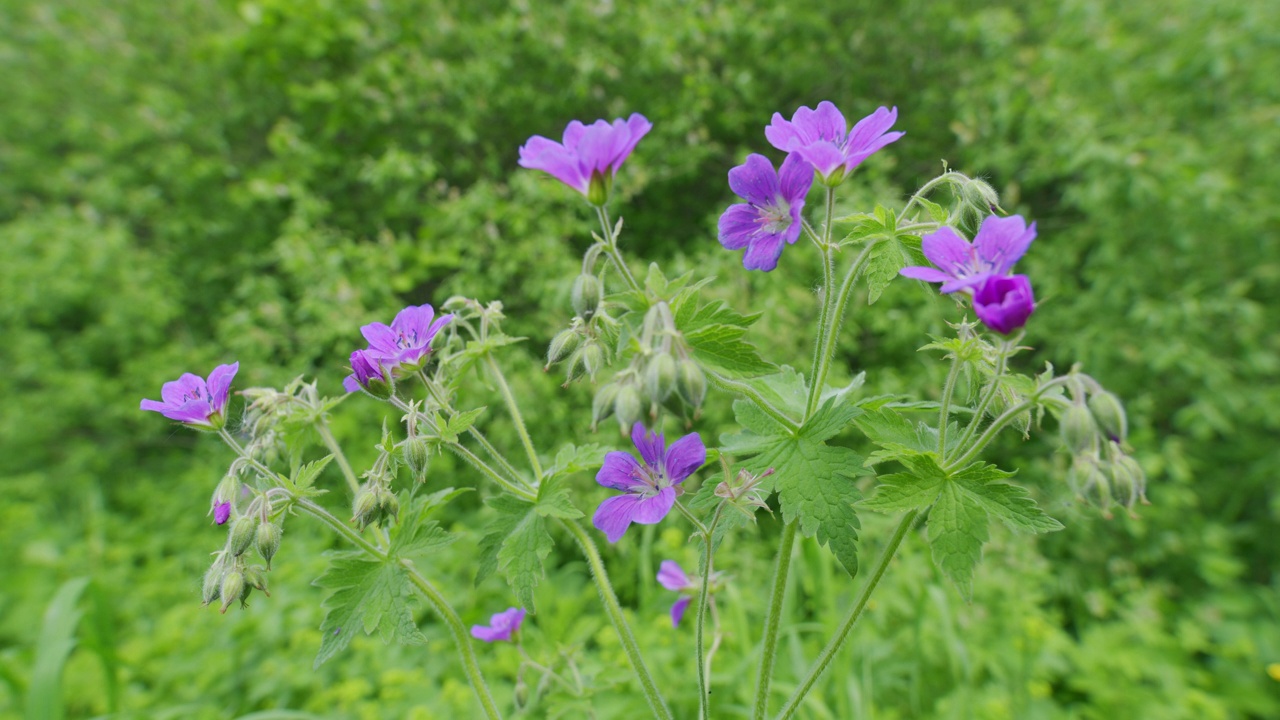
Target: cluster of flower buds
x,y
231,579
1094,429
374,504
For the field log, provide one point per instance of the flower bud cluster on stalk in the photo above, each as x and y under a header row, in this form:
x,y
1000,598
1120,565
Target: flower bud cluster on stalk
x,y
232,577
1094,430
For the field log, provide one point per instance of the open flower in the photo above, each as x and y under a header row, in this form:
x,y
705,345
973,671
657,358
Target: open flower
x,y
649,488
590,155
196,403
1003,303
823,138
999,244
501,626
672,577
406,341
771,214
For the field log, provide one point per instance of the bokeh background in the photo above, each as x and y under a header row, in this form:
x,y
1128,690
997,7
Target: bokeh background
x,y
196,182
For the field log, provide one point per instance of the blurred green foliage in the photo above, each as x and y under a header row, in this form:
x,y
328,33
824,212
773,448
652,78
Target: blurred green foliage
x,y
183,184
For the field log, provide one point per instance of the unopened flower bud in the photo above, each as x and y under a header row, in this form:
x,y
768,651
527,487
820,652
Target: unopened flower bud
x,y
1130,481
389,504
364,508
417,455
660,377
565,342
1109,413
242,534
981,195
255,578
691,383
1078,430
232,588
573,367
593,359
222,513
602,404
211,588
268,540
521,695
228,491
586,295
628,407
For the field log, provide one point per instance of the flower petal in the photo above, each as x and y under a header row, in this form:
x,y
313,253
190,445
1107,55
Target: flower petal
x,y
755,180
614,516
795,177
738,225
621,472
1004,303
176,392
948,251
671,576
927,274
219,385
650,445
193,412
382,340
414,321
827,122
678,608
684,457
650,510
780,133
554,159
1001,242
763,253
637,127
824,156
869,130
350,384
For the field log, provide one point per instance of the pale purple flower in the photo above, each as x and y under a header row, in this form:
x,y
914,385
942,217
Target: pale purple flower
x,y
222,513
672,577
366,373
771,214
501,626
999,244
192,401
649,488
407,340
1003,303
590,155
824,140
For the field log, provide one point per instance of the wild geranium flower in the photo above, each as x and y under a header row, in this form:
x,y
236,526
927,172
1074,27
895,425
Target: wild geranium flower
x,y
222,513
1003,303
771,214
673,578
501,626
196,403
825,141
999,244
407,341
367,373
650,487
590,155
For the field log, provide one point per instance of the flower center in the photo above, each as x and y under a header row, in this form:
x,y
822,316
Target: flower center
x,y
774,219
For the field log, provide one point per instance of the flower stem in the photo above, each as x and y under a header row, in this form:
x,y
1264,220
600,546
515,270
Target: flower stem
x,y
821,359
492,474
514,408
327,436
629,645
979,412
704,661
832,335
730,385
946,177
769,649
944,412
1001,422
836,642
611,248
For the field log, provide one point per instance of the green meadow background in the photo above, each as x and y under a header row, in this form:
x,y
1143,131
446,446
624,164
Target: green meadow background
x,y
195,182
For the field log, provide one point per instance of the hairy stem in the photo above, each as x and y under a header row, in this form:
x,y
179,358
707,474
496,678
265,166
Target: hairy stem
x,y
327,436
944,411
836,642
492,474
513,408
611,248
821,358
835,321
769,649
730,385
629,645
704,661
980,412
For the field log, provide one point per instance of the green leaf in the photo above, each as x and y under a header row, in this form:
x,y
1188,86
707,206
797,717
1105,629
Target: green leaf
x,y
461,423
555,500
1010,503
305,476
573,459
366,594
957,531
890,255
721,347
414,534
516,543
936,212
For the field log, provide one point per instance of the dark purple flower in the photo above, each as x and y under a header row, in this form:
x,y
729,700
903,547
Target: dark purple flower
x,y
672,577
192,401
501,626
771,214
649,488
366,373
590,155
999,244
222,513
407,340
1003,303
825,141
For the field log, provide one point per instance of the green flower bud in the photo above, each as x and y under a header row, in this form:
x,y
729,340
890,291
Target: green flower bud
x,y
593,359
628,407
389,504
660,377
364,509
981,195
233,588
691,383
211,588
242,534
417,455
1109,413
521,695
565,342
586,295
268,540
602,404
255,578
573,368
1079,433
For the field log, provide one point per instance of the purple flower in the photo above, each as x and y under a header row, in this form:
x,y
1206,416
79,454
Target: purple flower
x,y
590,155
673,578
501,626
366,373
1003,303
222,513
406,341
823,139
649,488
193,402
962,266
771,214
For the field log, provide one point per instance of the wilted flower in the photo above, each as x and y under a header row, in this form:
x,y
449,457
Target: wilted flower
x,y
501,626
823,139
672,577
407,340
1004,303
192,401
771,215
590,155
999,244
649,488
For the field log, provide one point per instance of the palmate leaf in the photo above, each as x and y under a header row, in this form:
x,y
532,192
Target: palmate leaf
x,y
517,542
367,595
